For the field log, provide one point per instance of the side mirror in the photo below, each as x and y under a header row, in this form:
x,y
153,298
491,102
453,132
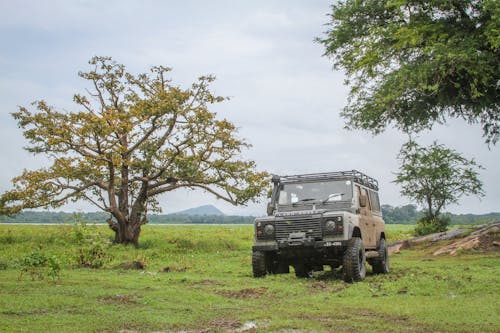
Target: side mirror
x,y
362,200
270,208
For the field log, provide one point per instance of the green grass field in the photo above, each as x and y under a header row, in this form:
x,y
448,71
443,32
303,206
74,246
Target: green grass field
x,y
199,279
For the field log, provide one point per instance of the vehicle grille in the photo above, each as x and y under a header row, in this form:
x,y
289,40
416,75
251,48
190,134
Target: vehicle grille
x,y
311,226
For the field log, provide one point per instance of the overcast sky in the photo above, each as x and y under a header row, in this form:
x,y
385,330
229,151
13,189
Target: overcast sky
x,y
285,97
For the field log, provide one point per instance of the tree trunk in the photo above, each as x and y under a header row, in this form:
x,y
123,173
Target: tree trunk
x,y
127,234
127,231
399,245
127,222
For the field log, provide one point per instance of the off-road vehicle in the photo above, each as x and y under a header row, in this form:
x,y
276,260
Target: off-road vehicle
x,y
321,219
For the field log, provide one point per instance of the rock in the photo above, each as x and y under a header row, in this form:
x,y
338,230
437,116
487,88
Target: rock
x,y
483,237
485,234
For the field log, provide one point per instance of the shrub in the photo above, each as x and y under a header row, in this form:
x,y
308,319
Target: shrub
x,y
92,252
54,267
37,264
3,265
427,225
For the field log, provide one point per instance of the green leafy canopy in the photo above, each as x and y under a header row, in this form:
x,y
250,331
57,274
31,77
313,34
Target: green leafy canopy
x,y
133,138
436,176
414,63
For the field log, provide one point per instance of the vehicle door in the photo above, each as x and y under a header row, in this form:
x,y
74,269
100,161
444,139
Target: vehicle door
x,y
367,221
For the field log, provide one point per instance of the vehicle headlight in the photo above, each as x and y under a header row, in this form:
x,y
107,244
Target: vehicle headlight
x,y
269,229
330,225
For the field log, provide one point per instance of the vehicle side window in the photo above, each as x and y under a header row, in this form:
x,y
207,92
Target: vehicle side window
x,y
368,199
357,192
375,201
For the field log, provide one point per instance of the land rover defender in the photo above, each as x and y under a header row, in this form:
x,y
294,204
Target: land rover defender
x,y
321,219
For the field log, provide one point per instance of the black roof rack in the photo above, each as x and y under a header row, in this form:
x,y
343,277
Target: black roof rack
x,y
357,176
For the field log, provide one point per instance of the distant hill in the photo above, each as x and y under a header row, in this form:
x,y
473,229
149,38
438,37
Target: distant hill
x,y
202,210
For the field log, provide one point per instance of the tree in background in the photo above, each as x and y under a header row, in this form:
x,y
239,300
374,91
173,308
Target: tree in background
x,y
134,138
414,63
407,214
435,177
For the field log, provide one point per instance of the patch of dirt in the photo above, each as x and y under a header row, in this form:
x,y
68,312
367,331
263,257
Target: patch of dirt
x,y
319,285
208,283
120,299
386,316
244,293
132,265
315,318
39,312
225,324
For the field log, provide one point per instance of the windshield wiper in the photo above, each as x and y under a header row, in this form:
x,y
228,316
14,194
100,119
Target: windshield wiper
x,y
333,195
304,200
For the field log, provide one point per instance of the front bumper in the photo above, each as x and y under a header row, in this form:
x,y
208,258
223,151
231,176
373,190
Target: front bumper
x,y
297,245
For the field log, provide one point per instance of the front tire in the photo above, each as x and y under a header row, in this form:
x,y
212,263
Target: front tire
x,y
381,264
259,264
354,263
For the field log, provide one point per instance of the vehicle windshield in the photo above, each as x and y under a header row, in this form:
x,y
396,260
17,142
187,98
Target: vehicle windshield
x,y
323,192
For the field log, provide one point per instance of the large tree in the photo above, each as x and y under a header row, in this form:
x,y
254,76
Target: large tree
x,y
132,138
414,63
435,177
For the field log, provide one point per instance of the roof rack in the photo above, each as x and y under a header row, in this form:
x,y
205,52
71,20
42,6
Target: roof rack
x,y
357,176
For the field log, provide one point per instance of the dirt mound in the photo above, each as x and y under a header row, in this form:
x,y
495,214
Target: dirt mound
x,y
483,238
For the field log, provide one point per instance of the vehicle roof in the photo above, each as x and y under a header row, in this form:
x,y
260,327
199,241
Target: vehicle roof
x,y
356,176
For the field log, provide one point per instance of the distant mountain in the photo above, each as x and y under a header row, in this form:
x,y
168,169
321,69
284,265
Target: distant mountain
x,y
202,210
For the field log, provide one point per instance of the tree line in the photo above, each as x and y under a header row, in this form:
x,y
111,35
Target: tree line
x,y
101,217
410,214
407,214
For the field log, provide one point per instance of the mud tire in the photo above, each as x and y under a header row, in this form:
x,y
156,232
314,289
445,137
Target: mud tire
x,y
354,263
259,264
381,264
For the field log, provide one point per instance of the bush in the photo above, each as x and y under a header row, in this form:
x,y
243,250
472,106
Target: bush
x,y
37,264
93,247
427,225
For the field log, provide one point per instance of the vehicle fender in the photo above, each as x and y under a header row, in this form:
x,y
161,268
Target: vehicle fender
x,y
353,226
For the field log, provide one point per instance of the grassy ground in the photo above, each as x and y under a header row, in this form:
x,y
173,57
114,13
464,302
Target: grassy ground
x,y
198,279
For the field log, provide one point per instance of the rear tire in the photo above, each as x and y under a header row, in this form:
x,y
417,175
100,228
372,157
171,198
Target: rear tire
x,y
381,264
354,264
259,264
